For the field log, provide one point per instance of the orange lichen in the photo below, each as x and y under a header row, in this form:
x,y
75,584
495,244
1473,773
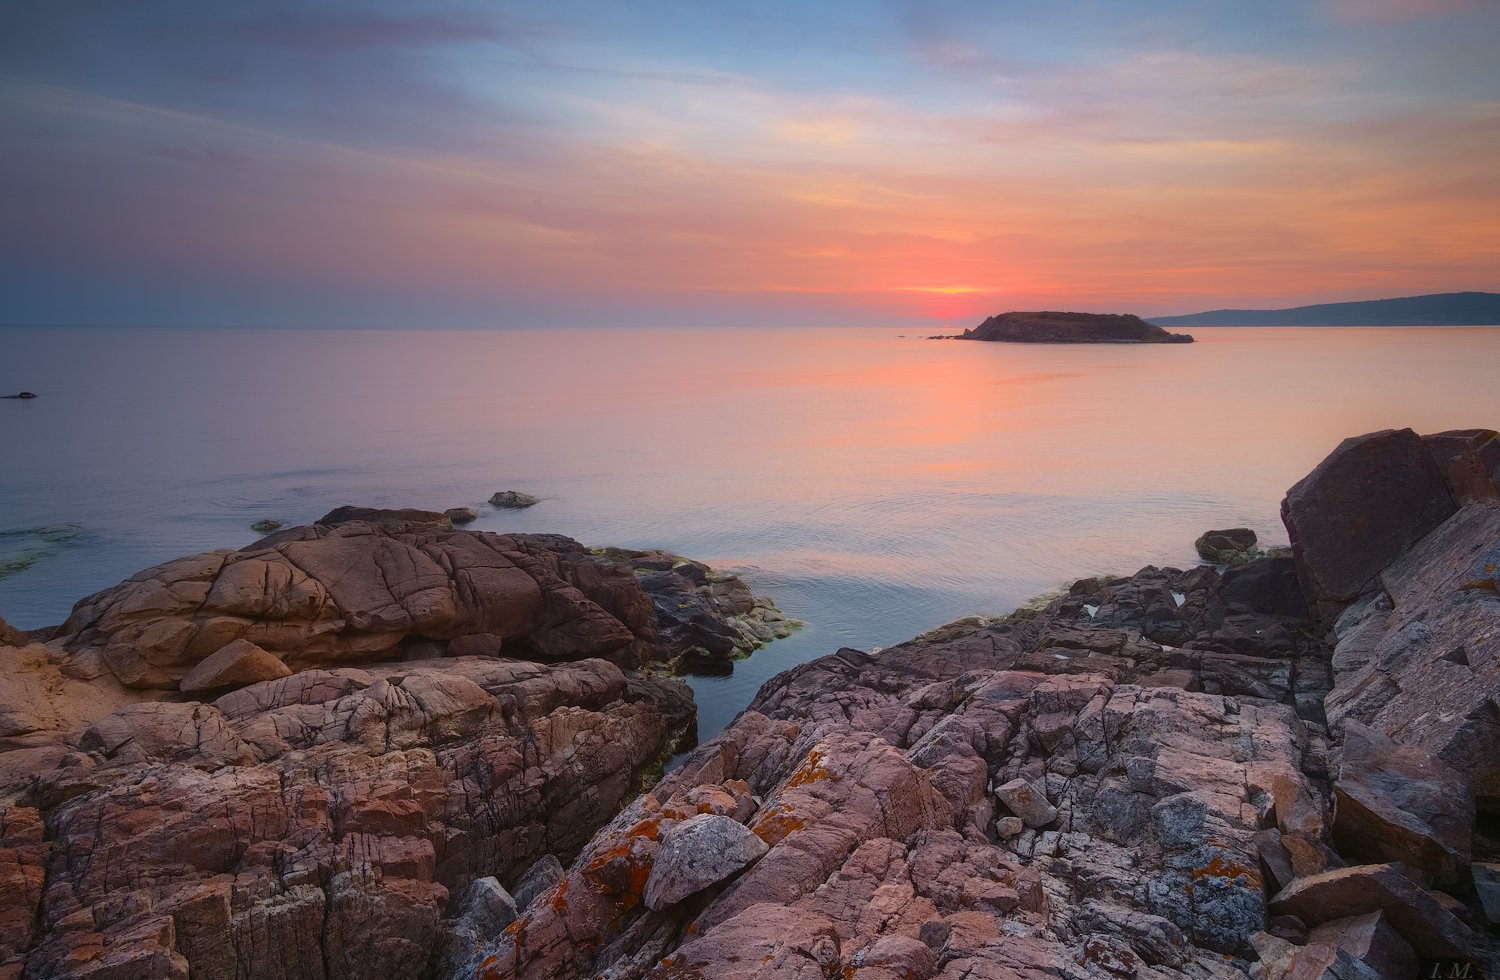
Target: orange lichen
x,y
811,771
777,824
560,900
650,828
1485,584
1228,870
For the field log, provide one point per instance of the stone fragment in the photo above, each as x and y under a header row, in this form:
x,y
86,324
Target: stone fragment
x,y
701,851
1396,803
1372,941
1027,802
237,662
1007,827
1432,930
1275,858
461,515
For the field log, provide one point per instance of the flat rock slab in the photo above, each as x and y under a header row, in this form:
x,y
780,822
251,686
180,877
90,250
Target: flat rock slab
x,y
237,662
1433,931
1027,802
1397,803
697,853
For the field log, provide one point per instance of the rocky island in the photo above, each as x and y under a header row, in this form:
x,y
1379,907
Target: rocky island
x,y
428,753
1072,328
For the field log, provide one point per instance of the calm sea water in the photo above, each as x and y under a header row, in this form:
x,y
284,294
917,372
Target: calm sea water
x,y
874,484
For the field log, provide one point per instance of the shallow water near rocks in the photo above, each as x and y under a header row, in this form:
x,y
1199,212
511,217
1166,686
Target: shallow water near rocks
x,y
876,485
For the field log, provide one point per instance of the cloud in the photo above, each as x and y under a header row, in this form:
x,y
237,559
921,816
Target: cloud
x,y
325,32
1393,11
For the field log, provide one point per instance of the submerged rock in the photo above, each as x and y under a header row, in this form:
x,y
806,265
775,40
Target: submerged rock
x,y
514,499
461,515
23,395
265,526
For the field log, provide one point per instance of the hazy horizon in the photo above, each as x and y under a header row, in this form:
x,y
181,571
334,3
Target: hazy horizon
x,y
890,164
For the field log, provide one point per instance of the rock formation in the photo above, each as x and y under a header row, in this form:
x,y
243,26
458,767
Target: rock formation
x,y
284,761
365,585
1290,768
1165,775
1072,328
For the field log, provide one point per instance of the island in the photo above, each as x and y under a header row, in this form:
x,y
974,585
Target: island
x,y
1072,328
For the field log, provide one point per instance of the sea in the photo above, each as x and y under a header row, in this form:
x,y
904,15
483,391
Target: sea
x,y
874,482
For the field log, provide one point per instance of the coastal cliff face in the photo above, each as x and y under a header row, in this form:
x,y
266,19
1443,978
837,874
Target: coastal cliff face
x,y
1286,768
1072,328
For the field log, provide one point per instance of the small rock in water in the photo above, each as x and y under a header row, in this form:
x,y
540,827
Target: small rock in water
x,y
265,527
461,515
23,394
1230,546
514,499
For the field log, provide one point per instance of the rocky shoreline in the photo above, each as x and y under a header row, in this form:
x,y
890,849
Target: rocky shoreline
x,y
435,751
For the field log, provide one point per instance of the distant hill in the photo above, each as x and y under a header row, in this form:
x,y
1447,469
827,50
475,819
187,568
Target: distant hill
x,y
1437,310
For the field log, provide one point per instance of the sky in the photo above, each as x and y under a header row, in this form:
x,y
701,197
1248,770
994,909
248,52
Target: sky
x,y
664,162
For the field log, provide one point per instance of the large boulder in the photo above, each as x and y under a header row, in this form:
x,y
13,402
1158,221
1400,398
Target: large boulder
x,y
699,852
1360,509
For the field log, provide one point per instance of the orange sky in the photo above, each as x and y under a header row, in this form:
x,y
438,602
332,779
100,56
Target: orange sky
x,y
922,164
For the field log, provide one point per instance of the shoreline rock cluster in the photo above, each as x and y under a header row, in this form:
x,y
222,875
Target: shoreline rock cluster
x,y
1285,768
1181,773
285,760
